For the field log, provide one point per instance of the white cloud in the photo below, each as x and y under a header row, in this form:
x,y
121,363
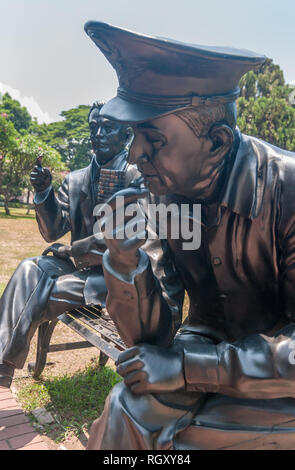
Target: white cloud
x,y
29,102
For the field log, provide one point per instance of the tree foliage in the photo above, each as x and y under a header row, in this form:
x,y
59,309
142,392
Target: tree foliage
x,y
17,114
18,154
263,108
70,137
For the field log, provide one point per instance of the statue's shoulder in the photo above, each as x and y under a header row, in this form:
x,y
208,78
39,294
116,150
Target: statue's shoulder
x,y
79,178
77,175
281,160
266,147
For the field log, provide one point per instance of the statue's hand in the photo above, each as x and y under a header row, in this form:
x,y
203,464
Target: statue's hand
x,y
40,177
151,369
59,250
122,243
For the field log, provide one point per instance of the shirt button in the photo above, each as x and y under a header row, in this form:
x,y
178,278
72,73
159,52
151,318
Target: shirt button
x,y
223,296
217,261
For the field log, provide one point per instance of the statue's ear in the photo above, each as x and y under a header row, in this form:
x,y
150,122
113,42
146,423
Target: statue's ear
x,y
222,137
129,134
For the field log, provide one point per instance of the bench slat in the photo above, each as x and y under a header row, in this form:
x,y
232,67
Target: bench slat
x,y
93,338
99,325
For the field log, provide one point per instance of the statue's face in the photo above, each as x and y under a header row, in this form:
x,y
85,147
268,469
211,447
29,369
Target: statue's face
x,y
173,160
107,137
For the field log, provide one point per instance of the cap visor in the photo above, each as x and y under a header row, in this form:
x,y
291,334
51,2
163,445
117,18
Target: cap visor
x,y
125,111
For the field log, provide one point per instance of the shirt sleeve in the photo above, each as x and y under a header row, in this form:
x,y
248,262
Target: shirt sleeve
x,y
141,311
52,213
257,366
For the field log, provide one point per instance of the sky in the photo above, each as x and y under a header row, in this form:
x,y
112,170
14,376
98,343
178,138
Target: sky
x,y
49,63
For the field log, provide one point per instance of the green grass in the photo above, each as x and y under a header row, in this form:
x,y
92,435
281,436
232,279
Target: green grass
x,y
74,401
2,287
17,213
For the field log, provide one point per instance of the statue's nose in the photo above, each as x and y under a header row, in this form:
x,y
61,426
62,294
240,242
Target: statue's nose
x,y
98,132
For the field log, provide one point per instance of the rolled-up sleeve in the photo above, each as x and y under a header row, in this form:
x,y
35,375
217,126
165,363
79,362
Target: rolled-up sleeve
x,y
137,306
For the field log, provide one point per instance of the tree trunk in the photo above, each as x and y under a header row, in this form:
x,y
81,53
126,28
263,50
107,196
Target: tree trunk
x,y
28,202
7,211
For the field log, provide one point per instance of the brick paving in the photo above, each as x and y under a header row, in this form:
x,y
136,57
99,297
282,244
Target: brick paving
x,y
16,432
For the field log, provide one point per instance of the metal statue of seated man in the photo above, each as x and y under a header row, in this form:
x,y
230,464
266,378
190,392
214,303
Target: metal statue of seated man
x,y
227,379
46,286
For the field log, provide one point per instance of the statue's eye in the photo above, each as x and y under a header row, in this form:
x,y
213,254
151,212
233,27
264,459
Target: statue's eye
x,y
156,140
108,128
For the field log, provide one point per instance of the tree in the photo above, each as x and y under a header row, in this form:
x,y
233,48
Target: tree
x,y
8,145
19,160
263,108
70,137
270,119
16,113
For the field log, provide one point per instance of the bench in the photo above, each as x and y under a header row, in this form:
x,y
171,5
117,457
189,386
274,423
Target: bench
x,y
90,322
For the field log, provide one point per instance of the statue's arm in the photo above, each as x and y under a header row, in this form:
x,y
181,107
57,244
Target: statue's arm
x,y
142,309
52,212
257,366
88,252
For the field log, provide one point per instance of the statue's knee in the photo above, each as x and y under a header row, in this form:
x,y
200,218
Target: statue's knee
x,y
29,263
117,395
122,400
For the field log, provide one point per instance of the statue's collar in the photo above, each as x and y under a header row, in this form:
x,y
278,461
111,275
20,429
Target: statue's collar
x,y
245,185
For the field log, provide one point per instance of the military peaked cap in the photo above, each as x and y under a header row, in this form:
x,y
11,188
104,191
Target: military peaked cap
x,y
158,76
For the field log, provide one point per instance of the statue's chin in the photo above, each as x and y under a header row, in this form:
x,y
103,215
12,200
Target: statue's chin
x,y
104,158
155,186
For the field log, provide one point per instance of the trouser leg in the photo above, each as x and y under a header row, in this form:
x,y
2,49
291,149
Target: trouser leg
x,y
28,300
147,422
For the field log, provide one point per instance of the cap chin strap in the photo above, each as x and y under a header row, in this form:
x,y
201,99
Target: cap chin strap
x,y
175,102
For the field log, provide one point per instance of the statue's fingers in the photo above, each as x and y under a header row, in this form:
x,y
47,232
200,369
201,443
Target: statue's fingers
x,y
46,172
128,366
38,169
134,228
35,173
108,224
139,388
125,355
134,243
134,378
129,195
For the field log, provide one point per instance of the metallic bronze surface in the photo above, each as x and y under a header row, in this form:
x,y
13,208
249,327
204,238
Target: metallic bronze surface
x,y
157,76
44,287
235,346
